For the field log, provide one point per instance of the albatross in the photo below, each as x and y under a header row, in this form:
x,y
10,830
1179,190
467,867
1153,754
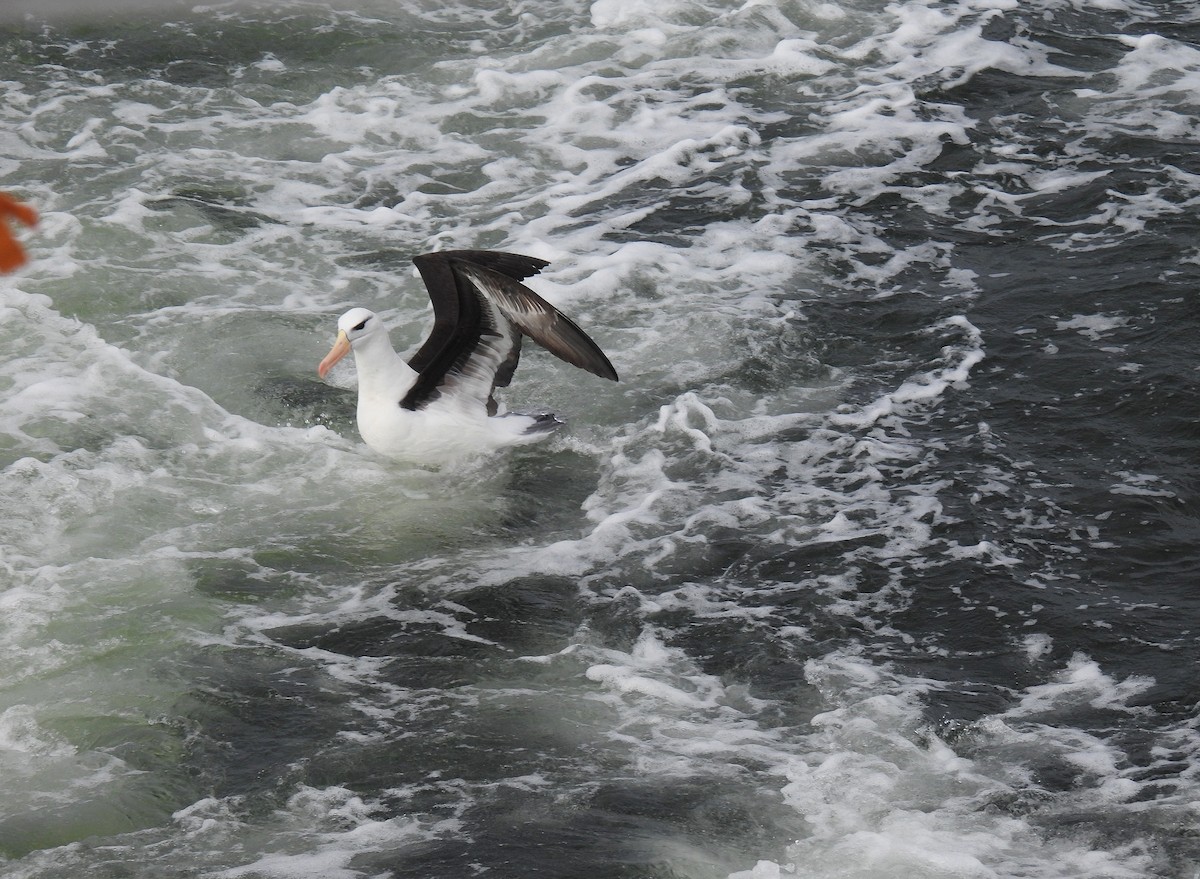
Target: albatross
x,y
440,405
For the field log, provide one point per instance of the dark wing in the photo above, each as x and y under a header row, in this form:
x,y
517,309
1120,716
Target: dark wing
x,y
451,305
538,319
480,312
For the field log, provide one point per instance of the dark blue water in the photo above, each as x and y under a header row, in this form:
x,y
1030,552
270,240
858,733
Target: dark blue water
x,y
881,560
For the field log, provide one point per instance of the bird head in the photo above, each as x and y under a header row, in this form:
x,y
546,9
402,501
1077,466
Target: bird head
x,y
353,326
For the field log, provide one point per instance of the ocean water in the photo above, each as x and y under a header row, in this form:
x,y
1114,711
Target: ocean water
x,y
880,561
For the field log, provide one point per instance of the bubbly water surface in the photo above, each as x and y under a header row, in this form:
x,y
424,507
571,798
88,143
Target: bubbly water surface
x,y
881,560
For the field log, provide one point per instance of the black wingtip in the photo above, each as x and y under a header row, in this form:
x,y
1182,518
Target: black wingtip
x,y
536,318
579,349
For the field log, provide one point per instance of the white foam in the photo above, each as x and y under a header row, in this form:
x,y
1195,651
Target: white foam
x,y
650,655
644,148
1037,646
928,386
1082,680
1093,326
883,800
21,734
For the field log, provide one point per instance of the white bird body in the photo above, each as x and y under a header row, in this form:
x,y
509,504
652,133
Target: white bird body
x,y
439,407
447,429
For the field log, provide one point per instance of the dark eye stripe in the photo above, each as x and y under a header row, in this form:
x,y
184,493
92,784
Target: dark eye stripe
x,y
360,325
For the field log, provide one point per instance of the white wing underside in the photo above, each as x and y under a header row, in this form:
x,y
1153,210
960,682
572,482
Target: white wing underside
x,y
470,385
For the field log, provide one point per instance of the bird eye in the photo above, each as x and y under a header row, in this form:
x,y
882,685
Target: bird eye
x,y
360,324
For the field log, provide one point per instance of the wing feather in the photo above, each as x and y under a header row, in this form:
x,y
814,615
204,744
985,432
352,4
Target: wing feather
x,y
538,319
481,309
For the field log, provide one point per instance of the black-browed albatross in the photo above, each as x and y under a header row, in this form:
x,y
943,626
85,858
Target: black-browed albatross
x,y
440,405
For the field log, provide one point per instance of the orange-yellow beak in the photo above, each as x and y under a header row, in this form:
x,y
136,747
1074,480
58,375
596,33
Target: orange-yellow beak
x,y
339,350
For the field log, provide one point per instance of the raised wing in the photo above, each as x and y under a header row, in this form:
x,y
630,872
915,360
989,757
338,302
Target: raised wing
x,y
539,320
453,306
481,310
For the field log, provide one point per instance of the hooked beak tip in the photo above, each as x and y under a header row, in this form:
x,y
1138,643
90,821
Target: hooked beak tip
x,y
339,350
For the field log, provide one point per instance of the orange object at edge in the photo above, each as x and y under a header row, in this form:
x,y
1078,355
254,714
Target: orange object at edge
x,y
12,254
